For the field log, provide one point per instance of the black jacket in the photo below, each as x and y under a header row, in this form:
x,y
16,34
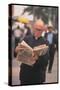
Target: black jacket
x,y
34,74
54,39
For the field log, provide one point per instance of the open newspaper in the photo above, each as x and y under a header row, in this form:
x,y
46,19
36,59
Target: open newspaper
x,y
26,53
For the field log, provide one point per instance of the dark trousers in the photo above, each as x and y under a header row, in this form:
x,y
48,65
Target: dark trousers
x,y
32,77
51,59
35,80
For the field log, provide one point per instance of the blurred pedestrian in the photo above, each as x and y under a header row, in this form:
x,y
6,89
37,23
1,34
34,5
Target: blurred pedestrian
x,y
27,25
51,37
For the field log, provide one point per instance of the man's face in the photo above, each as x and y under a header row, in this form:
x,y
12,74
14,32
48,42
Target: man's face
x,y
37,32
50,29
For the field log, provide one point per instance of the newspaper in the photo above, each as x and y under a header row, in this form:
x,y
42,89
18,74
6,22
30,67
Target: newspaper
x,y
26,53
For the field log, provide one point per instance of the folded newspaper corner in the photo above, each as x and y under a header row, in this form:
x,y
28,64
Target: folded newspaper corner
x,y
26,53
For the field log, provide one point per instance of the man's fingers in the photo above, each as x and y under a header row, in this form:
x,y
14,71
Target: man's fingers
x,y
19,44
35,57
18,49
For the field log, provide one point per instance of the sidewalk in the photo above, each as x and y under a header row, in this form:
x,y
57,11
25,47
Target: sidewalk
x,y
52,77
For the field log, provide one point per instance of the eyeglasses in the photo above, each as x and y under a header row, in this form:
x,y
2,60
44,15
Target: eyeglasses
x,y
38,30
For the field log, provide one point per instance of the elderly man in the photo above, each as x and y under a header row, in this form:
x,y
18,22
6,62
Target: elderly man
x,y
36,74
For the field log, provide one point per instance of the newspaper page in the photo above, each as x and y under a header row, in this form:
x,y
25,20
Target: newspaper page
x,y
25,55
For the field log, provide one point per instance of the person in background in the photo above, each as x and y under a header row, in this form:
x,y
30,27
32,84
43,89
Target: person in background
x,y
36,74
21,28
45,31
28,29
27,25
51,38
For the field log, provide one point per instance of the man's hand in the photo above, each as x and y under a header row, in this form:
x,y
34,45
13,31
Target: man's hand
x,y
19,47
34,57
22,46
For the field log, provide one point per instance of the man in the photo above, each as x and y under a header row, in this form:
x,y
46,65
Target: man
x,y
36,74
51,38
